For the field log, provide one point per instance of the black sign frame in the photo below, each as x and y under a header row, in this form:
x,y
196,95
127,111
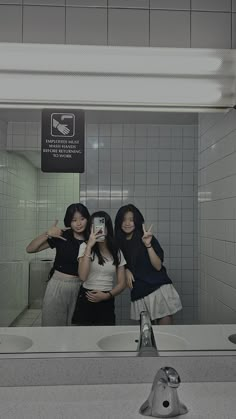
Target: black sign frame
x,y
62,141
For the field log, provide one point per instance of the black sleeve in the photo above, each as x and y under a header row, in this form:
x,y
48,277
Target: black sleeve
x,y
52,242
157,248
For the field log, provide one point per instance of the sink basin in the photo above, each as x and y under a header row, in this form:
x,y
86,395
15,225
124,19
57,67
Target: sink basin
x,y
128,341
14,343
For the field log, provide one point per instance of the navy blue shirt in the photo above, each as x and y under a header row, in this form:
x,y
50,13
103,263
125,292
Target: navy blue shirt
x,y
66,253
147,278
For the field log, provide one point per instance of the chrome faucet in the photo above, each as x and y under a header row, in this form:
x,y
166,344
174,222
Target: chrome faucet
x,y
163,401
147,344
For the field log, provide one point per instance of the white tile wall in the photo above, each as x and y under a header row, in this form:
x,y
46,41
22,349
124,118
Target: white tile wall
x,y
170,4
18,184
30,201
217,213
136,4
86,26
171,23
126,19
54,191
169,28
212,5
44,24
10,23
86,3
215,30
44,2
154,167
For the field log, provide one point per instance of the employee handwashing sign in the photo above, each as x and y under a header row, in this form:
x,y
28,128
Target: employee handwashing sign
x,y
63,124
62,141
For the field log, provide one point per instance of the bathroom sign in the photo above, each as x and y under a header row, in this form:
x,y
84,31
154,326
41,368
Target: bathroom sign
x,y
62,141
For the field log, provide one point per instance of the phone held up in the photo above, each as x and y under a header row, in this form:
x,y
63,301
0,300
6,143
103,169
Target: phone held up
x,y
99,227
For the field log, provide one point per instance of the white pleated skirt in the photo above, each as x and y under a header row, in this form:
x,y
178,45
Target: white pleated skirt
x,y
163,302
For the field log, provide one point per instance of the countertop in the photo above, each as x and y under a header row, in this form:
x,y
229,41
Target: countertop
x,y
85,339
116,401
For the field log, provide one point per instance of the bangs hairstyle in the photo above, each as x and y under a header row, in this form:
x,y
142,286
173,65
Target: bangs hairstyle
x,y
110,241
138,219
70,212
121,236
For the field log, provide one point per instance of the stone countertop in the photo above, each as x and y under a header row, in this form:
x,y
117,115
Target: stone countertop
x,y
116,401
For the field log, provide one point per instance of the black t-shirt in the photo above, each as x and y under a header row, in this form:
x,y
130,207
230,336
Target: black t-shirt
x,y
147,278
66,253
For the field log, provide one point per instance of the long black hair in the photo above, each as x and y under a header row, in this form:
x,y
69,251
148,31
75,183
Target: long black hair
x,y
110,241
69,215
121,237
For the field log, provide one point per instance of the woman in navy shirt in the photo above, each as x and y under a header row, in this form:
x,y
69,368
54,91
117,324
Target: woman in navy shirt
x,y
62,289
151,288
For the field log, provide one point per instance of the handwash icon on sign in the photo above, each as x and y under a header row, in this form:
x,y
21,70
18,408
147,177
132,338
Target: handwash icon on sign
x,y
62,125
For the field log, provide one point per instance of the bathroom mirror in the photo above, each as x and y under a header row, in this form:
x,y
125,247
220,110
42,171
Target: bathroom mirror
x,y
178,168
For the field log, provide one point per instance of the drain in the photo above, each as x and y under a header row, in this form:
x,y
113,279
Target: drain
x,y
232,338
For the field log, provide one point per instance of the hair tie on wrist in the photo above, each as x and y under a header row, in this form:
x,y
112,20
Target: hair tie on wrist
x,y
148,247
88,256
109,292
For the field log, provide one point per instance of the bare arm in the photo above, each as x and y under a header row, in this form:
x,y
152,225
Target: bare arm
x,y
97,296
121,283
85,260
38,244
154,258
129,278
84,264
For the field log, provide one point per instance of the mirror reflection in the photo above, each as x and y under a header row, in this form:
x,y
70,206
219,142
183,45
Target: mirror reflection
x,y
148,160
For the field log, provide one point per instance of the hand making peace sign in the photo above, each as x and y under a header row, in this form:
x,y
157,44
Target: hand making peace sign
x,y
147,236
57,232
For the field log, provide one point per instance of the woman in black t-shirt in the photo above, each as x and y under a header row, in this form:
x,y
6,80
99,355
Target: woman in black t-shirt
x,y
151,288
62,289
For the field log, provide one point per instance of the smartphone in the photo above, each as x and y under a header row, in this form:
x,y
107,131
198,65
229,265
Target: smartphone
x,y
99,227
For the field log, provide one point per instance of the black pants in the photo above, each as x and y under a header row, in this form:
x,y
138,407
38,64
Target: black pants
x,y
93,314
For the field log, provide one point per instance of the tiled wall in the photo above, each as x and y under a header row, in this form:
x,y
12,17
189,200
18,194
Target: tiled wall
x,y
30,201
154,167
55,191
162,23
217,215
18,184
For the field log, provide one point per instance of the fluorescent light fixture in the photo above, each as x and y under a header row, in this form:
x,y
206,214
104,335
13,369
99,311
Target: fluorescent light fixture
x,y
112,90
103,59
172,65
118,78
204,196
182,91
123,108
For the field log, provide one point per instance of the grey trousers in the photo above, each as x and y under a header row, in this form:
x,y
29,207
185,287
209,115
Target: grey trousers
x,y
59,300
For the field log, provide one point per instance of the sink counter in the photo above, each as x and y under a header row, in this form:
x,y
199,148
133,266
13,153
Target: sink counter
x,y
116,401
124,338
